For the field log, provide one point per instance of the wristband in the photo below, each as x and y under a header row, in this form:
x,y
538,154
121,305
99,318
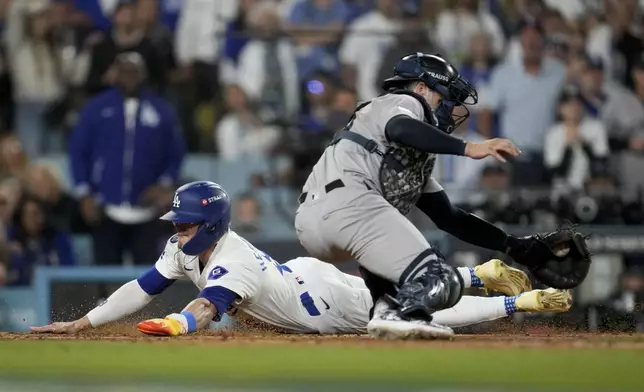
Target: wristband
x,y
191,321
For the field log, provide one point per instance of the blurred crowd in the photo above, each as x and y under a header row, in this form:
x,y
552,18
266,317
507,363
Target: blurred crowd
x,y
127,88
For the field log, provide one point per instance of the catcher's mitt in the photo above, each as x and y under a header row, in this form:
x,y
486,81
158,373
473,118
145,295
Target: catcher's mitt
x,y
559,259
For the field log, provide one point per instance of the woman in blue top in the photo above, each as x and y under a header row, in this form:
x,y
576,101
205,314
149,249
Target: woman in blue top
x,y
35,241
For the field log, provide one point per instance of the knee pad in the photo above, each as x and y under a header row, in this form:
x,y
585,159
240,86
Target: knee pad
x,y
440,287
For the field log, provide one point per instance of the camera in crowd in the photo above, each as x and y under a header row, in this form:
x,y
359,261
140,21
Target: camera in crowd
x,y
601,202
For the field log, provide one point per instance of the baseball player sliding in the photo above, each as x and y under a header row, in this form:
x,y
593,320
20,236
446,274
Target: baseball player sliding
x,y
377,168
303,295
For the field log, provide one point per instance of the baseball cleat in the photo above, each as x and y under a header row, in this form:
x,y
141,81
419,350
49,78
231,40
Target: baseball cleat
x,y
498,276
160,327
387,324
549,300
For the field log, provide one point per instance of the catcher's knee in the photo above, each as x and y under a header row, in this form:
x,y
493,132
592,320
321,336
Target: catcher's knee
x,y
430,285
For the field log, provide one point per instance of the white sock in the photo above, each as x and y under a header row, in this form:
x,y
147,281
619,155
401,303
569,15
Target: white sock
x,y
473,310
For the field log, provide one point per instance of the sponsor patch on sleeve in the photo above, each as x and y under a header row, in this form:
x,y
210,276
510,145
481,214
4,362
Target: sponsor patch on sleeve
x,y
217,273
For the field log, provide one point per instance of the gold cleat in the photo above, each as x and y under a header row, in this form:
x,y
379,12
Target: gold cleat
x,y
498,276
549,300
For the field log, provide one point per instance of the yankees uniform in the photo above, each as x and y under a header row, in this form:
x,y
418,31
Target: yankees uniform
x,y
356,221
376,169
303,295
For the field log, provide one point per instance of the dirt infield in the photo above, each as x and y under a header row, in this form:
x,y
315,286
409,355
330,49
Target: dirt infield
x,y
539,338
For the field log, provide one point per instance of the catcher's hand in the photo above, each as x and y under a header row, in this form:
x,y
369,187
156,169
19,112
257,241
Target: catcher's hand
x,y
558,259
161,327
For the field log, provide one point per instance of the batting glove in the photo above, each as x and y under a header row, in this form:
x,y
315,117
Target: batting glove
x,y
161,327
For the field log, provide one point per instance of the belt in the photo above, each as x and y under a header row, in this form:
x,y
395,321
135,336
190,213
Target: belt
x,y
335,184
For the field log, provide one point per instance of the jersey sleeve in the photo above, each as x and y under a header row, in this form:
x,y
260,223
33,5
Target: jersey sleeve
x,y
164,272
168,264
408,106
432,186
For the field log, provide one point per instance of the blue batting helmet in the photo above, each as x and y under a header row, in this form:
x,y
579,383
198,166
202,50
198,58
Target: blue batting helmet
x,y
205,203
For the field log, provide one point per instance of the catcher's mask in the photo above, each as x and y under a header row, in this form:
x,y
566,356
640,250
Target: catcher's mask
x,y
440,76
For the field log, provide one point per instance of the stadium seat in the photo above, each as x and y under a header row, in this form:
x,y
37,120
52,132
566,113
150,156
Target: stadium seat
x,y
83,251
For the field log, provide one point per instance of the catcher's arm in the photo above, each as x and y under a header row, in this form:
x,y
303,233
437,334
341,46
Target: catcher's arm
x,y
461,224
129,298
210,305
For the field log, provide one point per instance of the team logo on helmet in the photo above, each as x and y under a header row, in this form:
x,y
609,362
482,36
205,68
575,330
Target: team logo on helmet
x,y
204,202
176,202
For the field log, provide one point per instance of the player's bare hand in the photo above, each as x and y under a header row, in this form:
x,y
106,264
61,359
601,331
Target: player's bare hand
x,y
498,148
65,327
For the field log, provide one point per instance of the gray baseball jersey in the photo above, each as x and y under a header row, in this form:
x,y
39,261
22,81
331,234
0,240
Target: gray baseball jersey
x,y
348,160
358,221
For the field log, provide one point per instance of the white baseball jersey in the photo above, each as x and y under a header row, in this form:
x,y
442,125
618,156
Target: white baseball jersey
x,y
303,295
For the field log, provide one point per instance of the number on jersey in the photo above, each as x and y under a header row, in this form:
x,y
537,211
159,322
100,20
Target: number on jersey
x,y
264,257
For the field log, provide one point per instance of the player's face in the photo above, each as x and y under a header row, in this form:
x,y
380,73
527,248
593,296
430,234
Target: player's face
x,y
432,97
185,232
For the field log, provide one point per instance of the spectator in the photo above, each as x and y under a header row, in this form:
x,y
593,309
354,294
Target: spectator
x,y
526,10
524,95
616,42
614,105
240,133
237,36
316,27
35,241
126,35
169,13
575,143
638,78
409,39
571,10
623,115
198,44
267,67
13,160
247,211
70,32
320,91
36,72
97,12
456,25
42,184
477,69
125,154
558,35
148,15
7,204
576,65
459,176
363,50
343,105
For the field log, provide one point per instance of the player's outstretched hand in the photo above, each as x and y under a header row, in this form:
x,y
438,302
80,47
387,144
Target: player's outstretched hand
x,y
493,147
65,327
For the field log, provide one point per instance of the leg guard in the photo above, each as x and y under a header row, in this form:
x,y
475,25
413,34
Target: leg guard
x,y
378,286
433,285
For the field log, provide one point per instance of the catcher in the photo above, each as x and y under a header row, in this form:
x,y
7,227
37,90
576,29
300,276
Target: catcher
x,y
303,295
354,203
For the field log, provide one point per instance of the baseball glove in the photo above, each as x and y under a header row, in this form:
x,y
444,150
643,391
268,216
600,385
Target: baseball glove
x,y
559,259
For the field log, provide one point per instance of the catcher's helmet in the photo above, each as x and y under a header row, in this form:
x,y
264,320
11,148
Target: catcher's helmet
x,y
205,203
440,76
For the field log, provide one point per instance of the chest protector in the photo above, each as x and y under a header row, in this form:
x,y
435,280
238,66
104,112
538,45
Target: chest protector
x,y
404,171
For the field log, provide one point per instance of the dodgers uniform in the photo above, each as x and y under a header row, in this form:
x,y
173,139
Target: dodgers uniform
x,y
303,295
